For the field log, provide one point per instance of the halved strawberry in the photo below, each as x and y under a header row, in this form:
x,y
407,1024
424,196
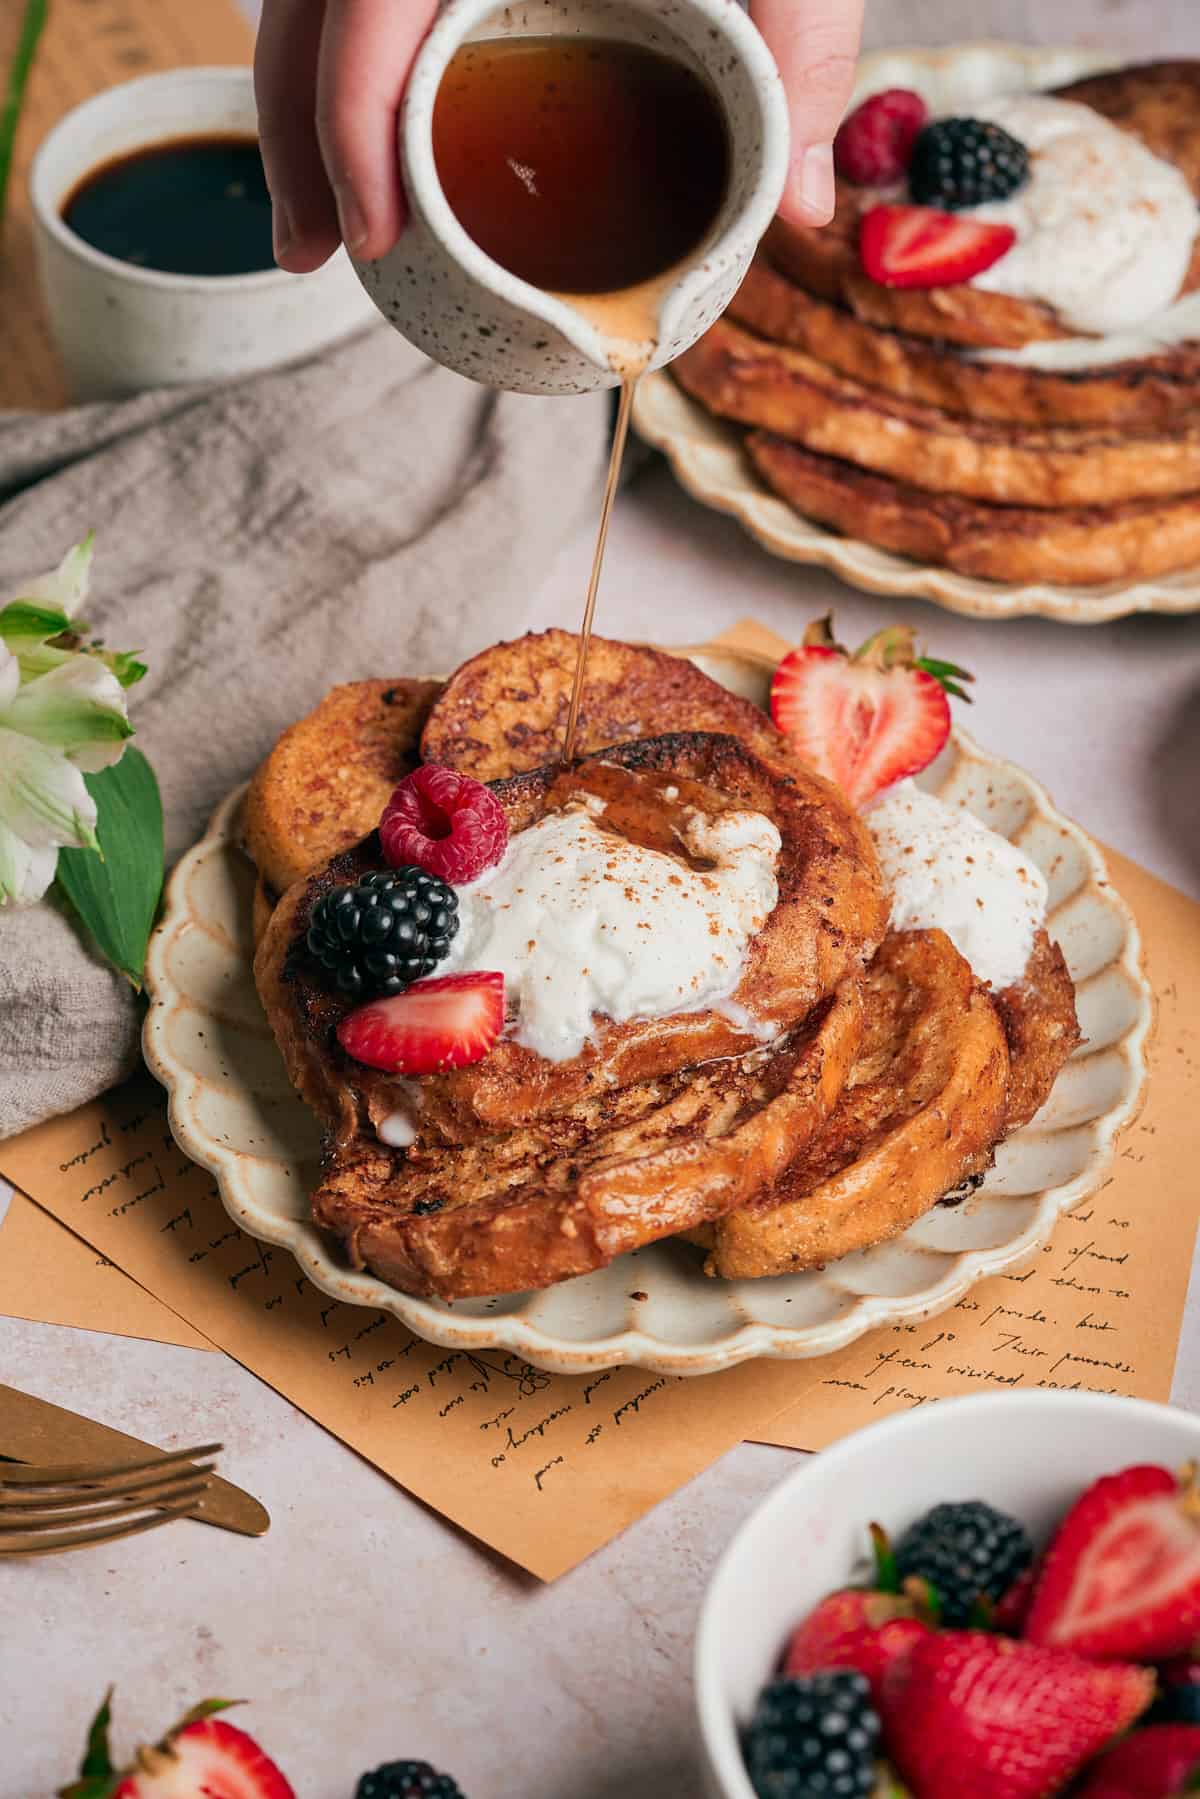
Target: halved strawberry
x,y
967,1715
1154,1763
447,1022
867,1631
1122,1576
201,1757
866,719
917,246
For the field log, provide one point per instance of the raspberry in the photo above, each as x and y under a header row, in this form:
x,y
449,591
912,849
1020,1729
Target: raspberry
x,y
445,823
874,143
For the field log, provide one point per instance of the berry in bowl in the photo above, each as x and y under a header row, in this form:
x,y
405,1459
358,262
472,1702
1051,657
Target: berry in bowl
x,y
990,1598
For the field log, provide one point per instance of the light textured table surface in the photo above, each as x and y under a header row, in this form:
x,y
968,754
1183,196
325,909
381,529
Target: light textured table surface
x,y
362,1626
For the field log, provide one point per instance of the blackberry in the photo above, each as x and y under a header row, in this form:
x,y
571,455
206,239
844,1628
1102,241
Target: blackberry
x,y
1176,1705
815,1738
963,162
407,1780
965,1552
381,936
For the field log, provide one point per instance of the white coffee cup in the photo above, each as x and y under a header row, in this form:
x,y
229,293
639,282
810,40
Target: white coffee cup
x,y
121,328
454,302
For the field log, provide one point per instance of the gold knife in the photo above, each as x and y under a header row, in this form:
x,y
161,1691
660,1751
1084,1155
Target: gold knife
x,y
33,1430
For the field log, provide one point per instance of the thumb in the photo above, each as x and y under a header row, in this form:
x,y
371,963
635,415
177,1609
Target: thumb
x,y
815,43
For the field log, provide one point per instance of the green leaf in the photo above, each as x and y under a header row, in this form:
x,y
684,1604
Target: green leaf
x,y
947,675
32,25
123,663
96,1757
97,1774
28,621
206,1708
116,893
982,1615
887,1578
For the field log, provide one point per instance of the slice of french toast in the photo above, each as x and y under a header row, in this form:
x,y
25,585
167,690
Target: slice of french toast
x,y
1041,1028
795,396
1159,103
505,710
829,916
1140,395
921,1112
945,1070
327,780
565,1195
1080,546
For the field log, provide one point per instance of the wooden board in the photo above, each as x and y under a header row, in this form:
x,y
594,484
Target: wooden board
x,y
87,45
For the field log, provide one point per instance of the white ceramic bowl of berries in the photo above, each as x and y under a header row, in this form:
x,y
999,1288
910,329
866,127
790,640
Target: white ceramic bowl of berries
x,y
1028,1625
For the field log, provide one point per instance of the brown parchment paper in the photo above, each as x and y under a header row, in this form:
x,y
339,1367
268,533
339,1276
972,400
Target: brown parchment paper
x,y
87,45
51,1276
543,1467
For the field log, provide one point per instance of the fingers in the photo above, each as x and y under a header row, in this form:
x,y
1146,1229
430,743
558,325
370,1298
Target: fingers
x,y
815,43
285,83
367,52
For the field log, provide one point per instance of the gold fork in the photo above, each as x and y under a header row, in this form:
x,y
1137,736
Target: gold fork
x,y
45,1509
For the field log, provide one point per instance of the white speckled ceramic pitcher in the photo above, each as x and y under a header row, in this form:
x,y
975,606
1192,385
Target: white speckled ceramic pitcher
x,y
441,290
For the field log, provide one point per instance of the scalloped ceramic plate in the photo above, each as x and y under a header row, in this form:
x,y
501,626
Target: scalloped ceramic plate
x,y
706,454
233,1110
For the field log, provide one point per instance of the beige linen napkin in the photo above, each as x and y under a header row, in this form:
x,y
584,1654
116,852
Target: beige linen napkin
x,y
364,513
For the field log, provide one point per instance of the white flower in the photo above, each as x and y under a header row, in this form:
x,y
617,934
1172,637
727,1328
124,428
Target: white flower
x,y
62,715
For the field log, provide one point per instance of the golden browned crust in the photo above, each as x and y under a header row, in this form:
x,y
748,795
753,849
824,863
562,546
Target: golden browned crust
x,y
826,262
542,1203
829,917
1137,395
921,1112
1159,103
788,392
1041,1027
1077,546
505,710
328,778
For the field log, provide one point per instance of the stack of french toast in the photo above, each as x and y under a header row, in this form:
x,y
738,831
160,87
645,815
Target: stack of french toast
x,y
990,361
673,994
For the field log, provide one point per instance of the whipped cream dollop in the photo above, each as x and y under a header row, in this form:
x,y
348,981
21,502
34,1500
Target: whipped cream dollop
x,y
1105,229
1179,324
581,921
947,871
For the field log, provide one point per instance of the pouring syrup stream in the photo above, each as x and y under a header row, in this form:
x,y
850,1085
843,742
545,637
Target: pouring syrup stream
x,y
620,433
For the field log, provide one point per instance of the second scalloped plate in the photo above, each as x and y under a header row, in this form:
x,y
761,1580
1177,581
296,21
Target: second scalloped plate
x,y
706,454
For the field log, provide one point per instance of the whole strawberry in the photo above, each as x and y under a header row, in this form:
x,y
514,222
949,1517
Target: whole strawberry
x,y
1155,1763
865,719
968,1715
200,1757
855,1629
1121,1578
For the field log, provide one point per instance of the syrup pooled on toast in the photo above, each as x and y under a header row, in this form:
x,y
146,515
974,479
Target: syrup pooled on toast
x,y
590,168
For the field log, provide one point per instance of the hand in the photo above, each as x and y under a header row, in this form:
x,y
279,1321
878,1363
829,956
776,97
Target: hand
x,y
329,76
815,43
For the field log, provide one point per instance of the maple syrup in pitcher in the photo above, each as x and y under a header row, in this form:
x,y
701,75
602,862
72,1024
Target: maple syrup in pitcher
x,y
590,168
